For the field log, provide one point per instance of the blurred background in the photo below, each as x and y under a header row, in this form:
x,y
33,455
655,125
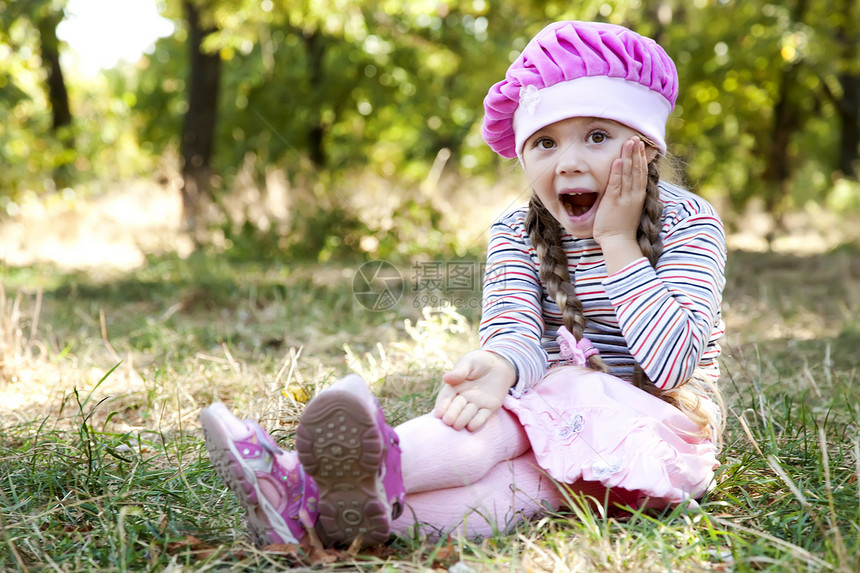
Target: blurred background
x,y
351,128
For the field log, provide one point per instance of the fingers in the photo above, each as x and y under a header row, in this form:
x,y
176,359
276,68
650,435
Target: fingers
x,y
614,185
627,161
638,165
634,166
443,400
629,173
455,409
479,419
465,416
462,371
459,410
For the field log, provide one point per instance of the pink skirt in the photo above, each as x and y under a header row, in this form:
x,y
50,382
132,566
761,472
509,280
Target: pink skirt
x,y
586,425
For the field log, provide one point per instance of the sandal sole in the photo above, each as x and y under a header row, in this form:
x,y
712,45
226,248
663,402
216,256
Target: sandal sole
x,y
340,445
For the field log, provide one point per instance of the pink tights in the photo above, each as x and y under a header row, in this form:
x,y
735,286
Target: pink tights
x,y
476,483
437,456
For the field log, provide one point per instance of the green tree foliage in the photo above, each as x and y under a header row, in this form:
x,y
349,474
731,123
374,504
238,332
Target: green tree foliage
x,y
753,116
35,135
385,84
388,84
47,143
326,88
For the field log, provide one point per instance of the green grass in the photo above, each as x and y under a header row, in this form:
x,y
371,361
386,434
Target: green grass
x,y
102,466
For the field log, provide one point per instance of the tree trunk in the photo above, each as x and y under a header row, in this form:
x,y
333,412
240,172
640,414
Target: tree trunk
x,y
849,113
315,48
848,106
58,95
788,118
198,129
786,121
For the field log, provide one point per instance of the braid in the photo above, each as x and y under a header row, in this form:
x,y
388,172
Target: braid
x,y
545,235
648,234
688,395
651,245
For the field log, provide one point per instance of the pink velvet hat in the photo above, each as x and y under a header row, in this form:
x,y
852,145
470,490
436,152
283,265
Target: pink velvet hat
x,y
582,69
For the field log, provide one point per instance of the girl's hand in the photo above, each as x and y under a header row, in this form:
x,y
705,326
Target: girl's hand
x,y
620,209
474,390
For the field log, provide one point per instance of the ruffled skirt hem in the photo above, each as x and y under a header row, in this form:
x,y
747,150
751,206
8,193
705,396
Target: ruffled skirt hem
x,y
586,425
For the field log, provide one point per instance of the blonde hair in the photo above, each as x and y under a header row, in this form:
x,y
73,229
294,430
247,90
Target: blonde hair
x,y
545,235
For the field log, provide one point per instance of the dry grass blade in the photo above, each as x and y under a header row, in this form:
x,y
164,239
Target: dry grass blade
x,y
776,467
793,549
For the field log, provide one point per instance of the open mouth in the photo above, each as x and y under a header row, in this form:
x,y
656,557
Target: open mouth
x,y
578,204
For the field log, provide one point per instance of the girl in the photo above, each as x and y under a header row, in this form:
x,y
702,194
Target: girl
x,y
598,358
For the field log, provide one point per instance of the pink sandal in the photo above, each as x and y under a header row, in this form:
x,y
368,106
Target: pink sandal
x,y
271,485
353,455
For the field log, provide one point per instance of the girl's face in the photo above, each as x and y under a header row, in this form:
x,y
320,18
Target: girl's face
x,y
568,164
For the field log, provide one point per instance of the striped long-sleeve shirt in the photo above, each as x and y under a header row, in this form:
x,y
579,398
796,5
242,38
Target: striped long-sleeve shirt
x,y
667,319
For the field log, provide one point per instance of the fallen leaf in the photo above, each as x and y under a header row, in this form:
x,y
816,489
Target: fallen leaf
x,y
446,555
192,545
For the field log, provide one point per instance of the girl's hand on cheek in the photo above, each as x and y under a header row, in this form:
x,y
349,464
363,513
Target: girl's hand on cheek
x,y
620,207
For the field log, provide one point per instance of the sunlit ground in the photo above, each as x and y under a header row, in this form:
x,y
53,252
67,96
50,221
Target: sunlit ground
x,y
113,231
116,230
